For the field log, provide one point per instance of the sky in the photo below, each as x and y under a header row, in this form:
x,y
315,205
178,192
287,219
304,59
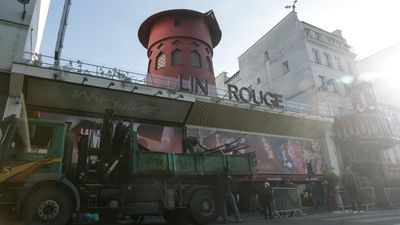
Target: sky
x,y
104,32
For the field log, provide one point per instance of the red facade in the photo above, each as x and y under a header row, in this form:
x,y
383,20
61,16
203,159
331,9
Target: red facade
x,y
180,42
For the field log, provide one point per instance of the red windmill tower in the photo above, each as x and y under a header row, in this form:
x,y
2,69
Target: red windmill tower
x,y
180,46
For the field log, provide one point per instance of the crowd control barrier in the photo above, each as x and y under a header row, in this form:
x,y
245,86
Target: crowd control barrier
x,y
393,196
286,200
367,198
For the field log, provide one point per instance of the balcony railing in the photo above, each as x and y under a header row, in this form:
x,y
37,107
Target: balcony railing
x,y
113,73
328,40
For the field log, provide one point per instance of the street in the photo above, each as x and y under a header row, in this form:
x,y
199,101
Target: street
x,y
378,217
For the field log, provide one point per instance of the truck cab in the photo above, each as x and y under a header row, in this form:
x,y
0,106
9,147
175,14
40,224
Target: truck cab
x,y
31,180
31,146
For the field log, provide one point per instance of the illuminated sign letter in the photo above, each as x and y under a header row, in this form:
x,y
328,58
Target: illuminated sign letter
x,y
253,95
181,88
277,99
232,92
244,97
198,85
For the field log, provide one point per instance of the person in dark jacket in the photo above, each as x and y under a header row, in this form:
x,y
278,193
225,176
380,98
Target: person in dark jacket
x,y
266,199
352,186
226,186
326,195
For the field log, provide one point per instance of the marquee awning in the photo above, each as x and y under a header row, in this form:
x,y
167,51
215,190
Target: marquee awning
x,y
211,114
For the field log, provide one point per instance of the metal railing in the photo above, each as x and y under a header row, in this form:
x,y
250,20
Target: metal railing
x,y
393,196
113,73
286,200
367,198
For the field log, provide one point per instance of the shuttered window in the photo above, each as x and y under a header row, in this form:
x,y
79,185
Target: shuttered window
x,y
195,59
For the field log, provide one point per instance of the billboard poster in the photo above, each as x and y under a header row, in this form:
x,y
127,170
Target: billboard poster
x,y
275,154
150,137
159,138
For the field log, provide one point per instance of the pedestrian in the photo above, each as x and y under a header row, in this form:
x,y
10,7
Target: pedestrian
x,y
352,186
315,194
227,185
326,195
266,199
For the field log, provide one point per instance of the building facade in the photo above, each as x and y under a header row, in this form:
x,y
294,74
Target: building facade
x,y
314,67
21,30
309,66
382,71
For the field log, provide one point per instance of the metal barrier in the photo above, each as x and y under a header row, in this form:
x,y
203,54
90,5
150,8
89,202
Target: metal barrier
x,y
367,195
393,196
286,200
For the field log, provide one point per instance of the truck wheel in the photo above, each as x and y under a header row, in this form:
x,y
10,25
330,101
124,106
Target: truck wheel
x,y
48,206
204,206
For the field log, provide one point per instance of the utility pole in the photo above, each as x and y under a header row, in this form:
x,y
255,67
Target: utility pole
x,y
61,33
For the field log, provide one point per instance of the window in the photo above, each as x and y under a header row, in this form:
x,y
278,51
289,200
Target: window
x,y
161,61
332,83
328,59
323,80
195,59
161,45
339,63
177,57
209,65
41,137
318,35
349,67
234,78
331,41
316,56
266,56
308,33
323,83
386,154
258,80
285,67
396,154
177,22
30,139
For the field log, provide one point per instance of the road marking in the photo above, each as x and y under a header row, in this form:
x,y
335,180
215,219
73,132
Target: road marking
x,y
359,215
378,219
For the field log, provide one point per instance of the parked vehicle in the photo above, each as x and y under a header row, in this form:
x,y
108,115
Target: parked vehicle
x,y
42,186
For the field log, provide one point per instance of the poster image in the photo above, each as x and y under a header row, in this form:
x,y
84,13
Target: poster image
x,y
159,138
152,137
275,155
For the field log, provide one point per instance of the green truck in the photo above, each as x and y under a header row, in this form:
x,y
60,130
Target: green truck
x,y
41,185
